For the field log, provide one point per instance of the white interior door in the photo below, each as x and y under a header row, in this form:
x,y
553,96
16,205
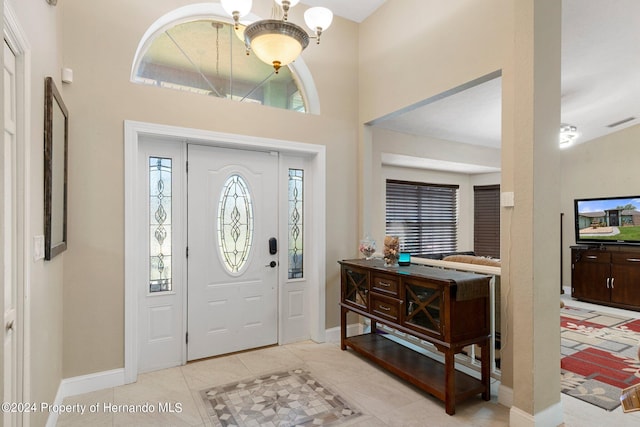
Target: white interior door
x,y
9,238
232,271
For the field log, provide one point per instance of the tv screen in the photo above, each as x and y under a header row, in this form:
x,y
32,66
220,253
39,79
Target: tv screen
x,y
608,220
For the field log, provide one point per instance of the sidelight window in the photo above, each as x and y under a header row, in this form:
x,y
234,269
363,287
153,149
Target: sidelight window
x,y
160,204
296,222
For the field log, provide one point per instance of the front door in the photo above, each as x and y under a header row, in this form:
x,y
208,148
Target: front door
x,y
232,250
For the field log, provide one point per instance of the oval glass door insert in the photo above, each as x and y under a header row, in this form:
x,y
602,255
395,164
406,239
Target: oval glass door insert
x,y
235,223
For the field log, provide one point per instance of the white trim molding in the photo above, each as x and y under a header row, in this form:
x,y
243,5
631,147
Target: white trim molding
x,y
505,396
333,334
549,417
85,384
316,155
16,38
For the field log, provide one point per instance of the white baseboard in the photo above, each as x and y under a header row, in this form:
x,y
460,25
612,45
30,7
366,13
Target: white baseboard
x,y
505,396
552,416
333,334
85,384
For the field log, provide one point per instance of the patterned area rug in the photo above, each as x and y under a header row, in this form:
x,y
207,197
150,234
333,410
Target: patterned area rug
x,y
599,355
290,398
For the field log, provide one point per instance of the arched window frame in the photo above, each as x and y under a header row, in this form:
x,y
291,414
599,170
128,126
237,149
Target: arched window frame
x,y
201,11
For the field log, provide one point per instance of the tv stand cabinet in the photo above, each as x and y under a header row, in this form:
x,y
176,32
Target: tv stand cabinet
x,y
447,308
608,275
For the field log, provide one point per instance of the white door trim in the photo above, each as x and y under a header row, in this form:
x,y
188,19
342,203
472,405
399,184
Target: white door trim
x,y
133,130
17,40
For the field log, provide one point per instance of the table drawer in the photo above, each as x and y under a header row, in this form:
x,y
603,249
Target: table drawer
x,y
594,256
387,285
388,308
626,258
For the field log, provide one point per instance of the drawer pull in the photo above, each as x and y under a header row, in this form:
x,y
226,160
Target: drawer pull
x,y
633,259
388,285
592,256
384,307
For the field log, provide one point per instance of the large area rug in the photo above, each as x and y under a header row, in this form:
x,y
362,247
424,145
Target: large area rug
x,y
289,398
599,355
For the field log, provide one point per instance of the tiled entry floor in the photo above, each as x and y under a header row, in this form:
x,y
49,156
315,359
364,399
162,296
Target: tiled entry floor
x,y
382,398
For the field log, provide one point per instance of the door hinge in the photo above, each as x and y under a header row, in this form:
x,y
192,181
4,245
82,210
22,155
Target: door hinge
x,y
186,338
187,252
186,166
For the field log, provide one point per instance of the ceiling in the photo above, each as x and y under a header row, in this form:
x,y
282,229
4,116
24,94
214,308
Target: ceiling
x,y
600,81
355,10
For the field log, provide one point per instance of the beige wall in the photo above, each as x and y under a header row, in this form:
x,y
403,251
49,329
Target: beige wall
x,y
421,48
40,23
604,167
100,41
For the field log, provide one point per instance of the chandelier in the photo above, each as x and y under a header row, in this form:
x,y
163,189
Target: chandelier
x,y
278,42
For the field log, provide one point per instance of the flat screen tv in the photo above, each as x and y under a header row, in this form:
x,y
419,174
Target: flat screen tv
x,y
608,220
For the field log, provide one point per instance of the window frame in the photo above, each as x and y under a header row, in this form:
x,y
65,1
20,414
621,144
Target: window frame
x,y
210,10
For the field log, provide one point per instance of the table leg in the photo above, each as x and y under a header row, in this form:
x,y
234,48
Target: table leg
x,y
485,369
343,327
450,382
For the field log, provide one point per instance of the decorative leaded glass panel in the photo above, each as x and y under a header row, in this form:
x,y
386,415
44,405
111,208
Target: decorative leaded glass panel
x,y
296,213
159,224
235,223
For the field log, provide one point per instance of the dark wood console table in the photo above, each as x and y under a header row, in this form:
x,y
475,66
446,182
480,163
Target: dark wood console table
x,y
447,308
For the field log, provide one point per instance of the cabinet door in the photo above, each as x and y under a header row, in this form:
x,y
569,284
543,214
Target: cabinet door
x,y
590,275
625,278
355,287
423,302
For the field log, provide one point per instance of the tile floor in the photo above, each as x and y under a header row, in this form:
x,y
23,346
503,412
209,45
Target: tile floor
x,y
382,399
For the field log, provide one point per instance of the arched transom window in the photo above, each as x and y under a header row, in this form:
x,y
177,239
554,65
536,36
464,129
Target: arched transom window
x,y
206,55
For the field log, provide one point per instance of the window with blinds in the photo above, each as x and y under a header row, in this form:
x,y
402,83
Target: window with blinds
x,y
424,216
486,221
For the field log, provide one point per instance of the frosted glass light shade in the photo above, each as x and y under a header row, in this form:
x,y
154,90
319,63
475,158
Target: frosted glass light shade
x,y
276,42
243,7
318,17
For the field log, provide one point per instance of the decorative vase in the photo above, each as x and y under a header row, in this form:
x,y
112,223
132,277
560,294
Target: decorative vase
x,y
367,247
391,251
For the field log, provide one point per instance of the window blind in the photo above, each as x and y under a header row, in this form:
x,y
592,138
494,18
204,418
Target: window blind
x,y
486,223
424,216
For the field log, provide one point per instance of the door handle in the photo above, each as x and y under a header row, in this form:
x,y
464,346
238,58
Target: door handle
x,y
9,326
272,264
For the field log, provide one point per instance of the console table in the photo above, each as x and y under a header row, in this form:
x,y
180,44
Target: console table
x,y
447,308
